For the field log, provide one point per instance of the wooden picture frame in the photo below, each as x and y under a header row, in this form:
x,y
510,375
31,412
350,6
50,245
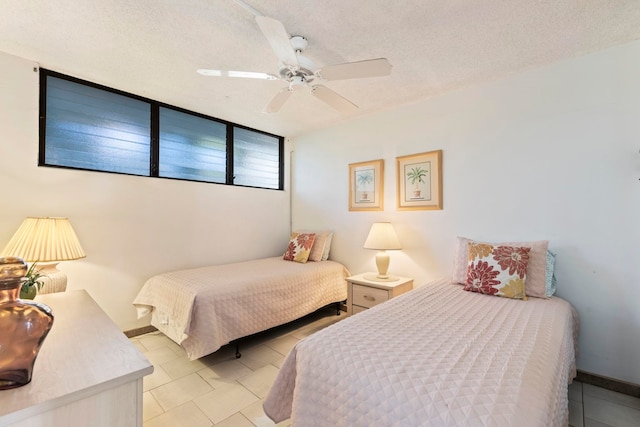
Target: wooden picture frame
x,y
366,186
420,181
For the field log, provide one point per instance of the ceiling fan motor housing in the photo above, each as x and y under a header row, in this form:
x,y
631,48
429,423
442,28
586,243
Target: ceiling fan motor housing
x,y
299,43
305,67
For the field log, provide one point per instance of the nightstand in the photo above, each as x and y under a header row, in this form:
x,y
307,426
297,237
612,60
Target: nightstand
x,y
363,293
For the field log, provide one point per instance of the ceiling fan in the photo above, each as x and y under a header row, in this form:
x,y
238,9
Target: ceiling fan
x,y
300,72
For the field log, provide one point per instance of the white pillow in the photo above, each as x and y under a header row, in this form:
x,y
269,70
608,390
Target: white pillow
x,y
327,247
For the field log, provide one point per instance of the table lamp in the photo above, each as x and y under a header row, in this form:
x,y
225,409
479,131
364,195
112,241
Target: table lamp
x,y
382,237
46,241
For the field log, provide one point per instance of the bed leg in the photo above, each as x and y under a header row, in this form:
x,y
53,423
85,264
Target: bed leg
x,y
238,355
337,309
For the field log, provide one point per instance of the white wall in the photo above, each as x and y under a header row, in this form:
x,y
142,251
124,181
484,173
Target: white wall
x,y
130,227
552,154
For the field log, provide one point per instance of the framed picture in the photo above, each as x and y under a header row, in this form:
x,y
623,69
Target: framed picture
x,y
420,181
366,186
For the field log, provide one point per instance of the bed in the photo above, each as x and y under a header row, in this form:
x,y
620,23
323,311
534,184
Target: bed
x,y
205,308
435,356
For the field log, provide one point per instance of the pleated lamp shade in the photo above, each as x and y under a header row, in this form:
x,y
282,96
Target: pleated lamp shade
x,y
382,237
45,240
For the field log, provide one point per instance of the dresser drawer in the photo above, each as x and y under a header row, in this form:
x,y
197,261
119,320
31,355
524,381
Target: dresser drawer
x,y
365,296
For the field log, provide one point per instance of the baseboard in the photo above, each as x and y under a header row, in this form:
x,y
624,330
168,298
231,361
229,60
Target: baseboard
x,y
140,331
609,383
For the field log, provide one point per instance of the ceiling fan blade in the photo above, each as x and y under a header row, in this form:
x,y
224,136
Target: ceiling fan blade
x,y
278,101
334,100
278,38
353,70
241,74
248,7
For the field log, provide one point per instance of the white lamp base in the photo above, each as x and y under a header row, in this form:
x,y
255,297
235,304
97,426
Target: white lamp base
x,y
53,280
382,262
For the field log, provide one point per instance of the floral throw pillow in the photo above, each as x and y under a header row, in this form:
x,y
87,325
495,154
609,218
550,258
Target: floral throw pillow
x,y
299,247
497,270
536,269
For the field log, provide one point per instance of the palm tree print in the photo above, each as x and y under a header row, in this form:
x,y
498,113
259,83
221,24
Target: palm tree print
x,y
363,179
416,177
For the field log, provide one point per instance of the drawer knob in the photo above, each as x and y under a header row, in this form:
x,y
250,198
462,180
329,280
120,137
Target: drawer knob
x,y
368,298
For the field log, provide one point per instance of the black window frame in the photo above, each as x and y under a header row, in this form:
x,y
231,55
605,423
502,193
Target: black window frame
x,y
155,133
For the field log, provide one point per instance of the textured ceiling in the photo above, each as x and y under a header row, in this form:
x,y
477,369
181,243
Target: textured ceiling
x,y
153,47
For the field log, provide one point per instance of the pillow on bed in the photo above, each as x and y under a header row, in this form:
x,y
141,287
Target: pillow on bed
x,y
299,247
327,247
536,270
321,245
497,270
550,283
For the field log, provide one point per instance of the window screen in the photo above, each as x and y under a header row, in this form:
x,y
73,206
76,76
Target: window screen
x,y
90,128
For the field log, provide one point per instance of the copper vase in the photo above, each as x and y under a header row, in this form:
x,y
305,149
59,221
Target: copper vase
x,y
23,326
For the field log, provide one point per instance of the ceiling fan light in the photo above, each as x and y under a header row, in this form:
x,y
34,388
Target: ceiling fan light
x,y
297,81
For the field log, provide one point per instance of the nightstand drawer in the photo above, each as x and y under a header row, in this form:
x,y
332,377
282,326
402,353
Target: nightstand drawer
x,y
365,292
365,296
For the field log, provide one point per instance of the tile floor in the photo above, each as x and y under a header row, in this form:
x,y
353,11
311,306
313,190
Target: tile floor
x,y
220,390
591,406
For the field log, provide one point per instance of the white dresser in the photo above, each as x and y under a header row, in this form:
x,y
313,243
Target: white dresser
x,y
87,373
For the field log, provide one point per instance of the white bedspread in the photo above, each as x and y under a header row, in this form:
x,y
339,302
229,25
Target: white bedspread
x,y
205,308
435,356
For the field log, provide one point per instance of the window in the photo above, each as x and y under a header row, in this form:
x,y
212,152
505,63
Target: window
x,y
87,128
256,159
192,148
91,127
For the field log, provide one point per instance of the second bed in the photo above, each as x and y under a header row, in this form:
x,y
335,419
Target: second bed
x,y
205,308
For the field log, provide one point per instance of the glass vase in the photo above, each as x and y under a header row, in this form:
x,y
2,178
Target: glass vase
x,y
23,326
